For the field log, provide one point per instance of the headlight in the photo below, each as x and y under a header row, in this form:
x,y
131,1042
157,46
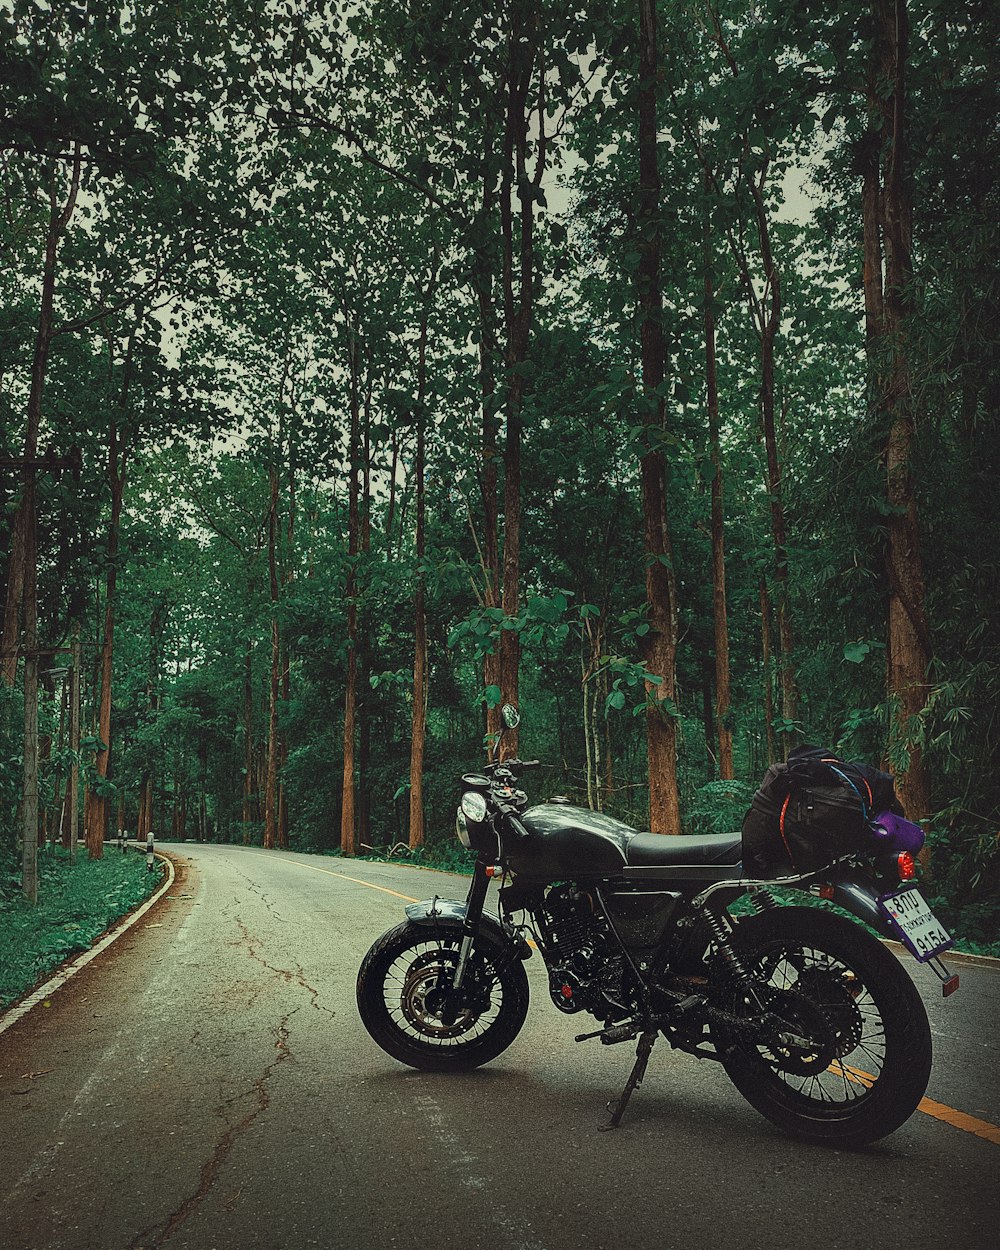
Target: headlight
x,y
474,806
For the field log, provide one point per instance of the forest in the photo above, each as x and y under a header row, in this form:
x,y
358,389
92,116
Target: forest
x,y
364,367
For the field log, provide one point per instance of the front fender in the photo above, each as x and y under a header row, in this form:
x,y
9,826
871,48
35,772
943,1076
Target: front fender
x,y
448,913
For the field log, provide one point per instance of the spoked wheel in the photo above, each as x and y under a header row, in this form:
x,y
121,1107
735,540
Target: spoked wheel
x,y
408,1005
841,1054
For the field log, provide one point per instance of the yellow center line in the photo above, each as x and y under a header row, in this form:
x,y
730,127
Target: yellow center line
x,y
384,889
937,1110
357,880
959,1119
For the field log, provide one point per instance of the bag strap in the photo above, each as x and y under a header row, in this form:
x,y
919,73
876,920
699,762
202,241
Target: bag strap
x,y
781,827
865,807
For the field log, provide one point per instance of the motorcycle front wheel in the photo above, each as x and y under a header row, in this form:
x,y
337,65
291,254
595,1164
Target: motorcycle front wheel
x,y
842,1053
407,1003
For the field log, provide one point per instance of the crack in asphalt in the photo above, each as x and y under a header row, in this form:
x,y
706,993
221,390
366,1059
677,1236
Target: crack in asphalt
x,y
150,1239
297,976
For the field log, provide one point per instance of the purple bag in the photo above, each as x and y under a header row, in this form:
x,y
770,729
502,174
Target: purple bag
x,y
897,834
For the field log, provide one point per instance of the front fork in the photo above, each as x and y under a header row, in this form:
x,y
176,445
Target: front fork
x,y
481,875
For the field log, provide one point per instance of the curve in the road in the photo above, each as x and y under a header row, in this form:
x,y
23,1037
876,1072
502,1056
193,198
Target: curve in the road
x,y
45,992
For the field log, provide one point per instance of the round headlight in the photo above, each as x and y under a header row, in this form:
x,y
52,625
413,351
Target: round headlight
x,y
474,806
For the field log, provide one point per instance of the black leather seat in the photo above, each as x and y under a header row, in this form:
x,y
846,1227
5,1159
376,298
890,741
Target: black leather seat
x,y
656,850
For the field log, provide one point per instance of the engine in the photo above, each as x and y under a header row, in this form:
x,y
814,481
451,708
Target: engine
x,y
586,966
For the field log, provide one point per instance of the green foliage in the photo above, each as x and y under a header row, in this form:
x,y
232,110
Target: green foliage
x,y
77,903
719,807
246,275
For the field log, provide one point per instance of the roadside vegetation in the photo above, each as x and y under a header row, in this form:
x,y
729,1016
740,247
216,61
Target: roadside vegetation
x,y
78,901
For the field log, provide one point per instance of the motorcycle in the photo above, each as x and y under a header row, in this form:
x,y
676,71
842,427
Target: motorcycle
x,y
813,1019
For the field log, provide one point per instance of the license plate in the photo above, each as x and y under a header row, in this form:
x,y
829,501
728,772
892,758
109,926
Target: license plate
x,y
918,928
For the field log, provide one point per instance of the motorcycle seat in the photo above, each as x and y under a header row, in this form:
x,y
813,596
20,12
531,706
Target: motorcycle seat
x,y
657,850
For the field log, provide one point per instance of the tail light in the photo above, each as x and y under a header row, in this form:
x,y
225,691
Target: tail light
x,y
906,866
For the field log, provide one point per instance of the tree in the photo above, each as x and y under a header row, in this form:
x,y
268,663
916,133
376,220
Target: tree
x,y
661,581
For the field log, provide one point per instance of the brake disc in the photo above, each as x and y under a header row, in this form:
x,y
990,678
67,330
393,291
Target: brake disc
x,y
427,994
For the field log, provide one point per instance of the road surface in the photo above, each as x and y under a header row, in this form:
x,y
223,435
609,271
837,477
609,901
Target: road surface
x,y
206,1084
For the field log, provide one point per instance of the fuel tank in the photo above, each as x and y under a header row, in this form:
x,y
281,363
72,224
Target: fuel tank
x,y
567,841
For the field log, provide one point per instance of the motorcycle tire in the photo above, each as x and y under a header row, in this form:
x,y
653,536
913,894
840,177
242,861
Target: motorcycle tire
x,y
845,1056
406,1004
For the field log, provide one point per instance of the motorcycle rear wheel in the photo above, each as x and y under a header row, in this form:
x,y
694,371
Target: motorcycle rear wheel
x,y
846,1056
407,1005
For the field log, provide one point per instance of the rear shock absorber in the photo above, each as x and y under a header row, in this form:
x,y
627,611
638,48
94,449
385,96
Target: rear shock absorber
x,y
762,900
721,932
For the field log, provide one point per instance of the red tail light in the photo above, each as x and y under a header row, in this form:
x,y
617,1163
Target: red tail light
x,y
906,866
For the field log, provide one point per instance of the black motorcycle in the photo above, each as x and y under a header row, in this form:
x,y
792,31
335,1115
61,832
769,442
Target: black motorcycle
x,y
813,1019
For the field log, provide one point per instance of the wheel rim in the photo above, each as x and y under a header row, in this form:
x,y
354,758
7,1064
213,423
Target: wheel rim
x,y
418,999
825,1042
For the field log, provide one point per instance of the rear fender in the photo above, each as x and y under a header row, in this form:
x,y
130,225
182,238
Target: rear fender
x,y
447,913
860,899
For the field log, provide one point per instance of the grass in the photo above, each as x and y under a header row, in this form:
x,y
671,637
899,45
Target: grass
x,y
77,902
445,857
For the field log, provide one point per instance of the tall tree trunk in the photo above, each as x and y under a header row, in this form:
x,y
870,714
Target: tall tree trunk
x,y
22,581
720,615
363,706
270,787
661,586
29,806
348,818
419,735
73,784
419,723
157,620
910,647
247,814
588,745
60,831
145,822
97,814
483,285
286,662
286,691
420,671
491,519
24,518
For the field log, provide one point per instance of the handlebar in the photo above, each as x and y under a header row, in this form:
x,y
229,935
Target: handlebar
x,y
514,767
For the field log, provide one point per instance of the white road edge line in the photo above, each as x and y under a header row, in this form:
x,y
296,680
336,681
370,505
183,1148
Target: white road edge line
x,y
13,1014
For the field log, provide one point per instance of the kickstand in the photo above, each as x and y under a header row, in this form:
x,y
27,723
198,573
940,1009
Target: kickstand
x,y
617,1108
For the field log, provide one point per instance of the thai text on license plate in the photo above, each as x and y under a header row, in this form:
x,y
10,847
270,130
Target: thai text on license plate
x,y
918,927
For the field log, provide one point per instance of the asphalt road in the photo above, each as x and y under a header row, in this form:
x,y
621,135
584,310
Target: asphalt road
x,y
206,1084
